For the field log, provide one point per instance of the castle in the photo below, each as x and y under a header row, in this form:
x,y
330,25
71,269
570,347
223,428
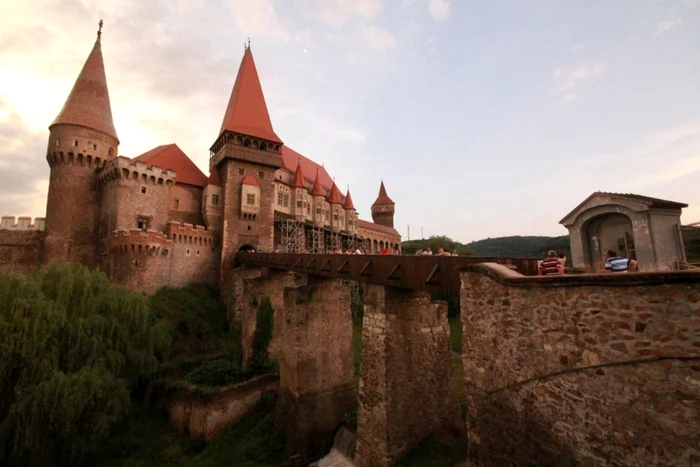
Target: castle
x,y
157,220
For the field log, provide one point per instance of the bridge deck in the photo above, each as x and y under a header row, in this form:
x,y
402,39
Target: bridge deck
x,y
435,274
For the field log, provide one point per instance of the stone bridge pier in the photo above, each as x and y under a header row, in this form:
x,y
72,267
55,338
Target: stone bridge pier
x,y
317,386
406,390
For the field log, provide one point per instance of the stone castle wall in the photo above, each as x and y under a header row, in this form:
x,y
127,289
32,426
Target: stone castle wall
x,y
195,255
590,369
207,416
20,250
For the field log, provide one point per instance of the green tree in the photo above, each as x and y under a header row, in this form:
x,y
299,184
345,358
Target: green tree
x,y
72,349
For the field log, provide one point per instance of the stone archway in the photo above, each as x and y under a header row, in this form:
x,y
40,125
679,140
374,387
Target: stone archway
x,y
611,231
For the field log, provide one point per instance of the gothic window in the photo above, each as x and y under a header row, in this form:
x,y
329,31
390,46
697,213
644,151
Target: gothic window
x,y
318,211
280,198
335,217
286,200
177,203
241,172
246,142
263,147
250,198
215,200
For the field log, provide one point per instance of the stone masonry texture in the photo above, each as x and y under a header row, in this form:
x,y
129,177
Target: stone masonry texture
x,y
406,379
316,366
564,372
20,251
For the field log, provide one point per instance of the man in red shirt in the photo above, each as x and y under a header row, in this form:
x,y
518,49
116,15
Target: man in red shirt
x,y
551,265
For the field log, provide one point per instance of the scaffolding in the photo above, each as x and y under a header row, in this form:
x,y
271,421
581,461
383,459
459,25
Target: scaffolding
x,y
292,233
314,239
335,240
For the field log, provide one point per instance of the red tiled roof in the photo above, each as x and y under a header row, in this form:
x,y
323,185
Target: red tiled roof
x,y
247,112
291,158
298,181
214,178
317,190
348,201
170,156
377,227
250,180
383,198
334,195
88,102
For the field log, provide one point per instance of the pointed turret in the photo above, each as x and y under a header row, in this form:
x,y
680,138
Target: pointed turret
x,y
298,181
382,198
88,102
383,208
247,112
334,195
348,201
317,189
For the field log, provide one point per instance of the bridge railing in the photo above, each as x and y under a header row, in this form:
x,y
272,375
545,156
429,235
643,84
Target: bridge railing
x,y
435,274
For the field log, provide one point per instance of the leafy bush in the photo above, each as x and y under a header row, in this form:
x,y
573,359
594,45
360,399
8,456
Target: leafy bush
x,y
260,359
73,347
215,373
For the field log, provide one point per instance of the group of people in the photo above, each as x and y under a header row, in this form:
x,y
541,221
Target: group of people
x,y
555,264
441,252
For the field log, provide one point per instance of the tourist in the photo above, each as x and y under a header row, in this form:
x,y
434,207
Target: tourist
x,y
614,263
427,252
454,252
551,265
419,252
443,252
562,260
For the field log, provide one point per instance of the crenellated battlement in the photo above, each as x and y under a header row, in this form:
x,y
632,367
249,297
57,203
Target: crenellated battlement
x,y
23,223
79,159
140,242
191,234
127,169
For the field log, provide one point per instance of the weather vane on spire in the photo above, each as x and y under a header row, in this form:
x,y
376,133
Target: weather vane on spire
x,y
99,31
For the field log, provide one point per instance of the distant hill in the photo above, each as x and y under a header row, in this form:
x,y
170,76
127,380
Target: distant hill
x,y
520,247
503,247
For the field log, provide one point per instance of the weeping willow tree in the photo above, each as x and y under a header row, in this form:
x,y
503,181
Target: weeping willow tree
x,y
72,349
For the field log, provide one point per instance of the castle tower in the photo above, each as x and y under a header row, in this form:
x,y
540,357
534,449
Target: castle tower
x,y
319,202
247,148
82,139
350,214
337,220
383,209
299,195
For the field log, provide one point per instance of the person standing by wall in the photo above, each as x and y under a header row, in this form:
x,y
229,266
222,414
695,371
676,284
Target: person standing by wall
x,y
614,263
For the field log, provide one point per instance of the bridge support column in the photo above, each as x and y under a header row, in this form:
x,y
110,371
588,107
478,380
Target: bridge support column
x,y
407,389
316,366
270,284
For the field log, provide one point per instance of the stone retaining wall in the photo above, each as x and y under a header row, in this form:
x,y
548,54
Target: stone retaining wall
x,y
589,369
207,415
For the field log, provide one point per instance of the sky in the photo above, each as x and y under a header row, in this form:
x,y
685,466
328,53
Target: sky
x,y
483,118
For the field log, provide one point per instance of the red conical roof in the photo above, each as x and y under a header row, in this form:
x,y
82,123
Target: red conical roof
x,y
348,201
317,190
247,112
383,198
170,156
298,181
88,102
334,195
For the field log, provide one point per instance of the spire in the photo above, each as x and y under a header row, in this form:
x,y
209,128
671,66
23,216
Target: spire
x,y
317,190
383,198
247,112
298,181
334,195
348,201
88,102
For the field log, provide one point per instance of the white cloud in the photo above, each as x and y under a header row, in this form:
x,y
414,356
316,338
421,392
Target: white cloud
x,y
258,18
439,9
569,78
337,12
666,25
379,39
570,97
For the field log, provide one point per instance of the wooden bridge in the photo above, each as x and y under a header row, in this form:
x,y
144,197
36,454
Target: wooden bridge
x,y
434,274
